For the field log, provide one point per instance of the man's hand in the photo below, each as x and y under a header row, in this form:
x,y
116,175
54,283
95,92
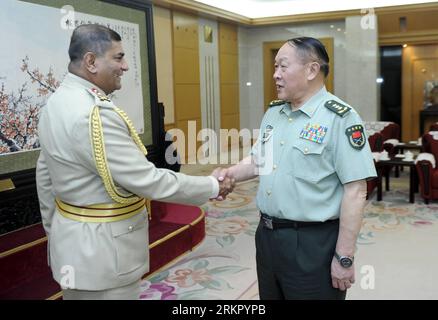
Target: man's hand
x,y
342,278
226,182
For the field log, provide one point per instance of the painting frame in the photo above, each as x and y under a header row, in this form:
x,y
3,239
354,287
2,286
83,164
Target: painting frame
x,y
429,86
15,162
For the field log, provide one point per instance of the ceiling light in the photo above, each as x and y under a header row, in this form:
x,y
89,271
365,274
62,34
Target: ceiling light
x,y
274,8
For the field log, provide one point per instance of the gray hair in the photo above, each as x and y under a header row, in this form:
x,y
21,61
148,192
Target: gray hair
x,y
91,38
311,47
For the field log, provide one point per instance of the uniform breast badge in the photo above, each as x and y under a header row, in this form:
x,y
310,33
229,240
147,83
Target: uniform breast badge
x,y
267,134
313,132
356,137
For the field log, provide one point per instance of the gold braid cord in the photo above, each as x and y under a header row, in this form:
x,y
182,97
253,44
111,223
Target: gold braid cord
x,y
132,131
96,132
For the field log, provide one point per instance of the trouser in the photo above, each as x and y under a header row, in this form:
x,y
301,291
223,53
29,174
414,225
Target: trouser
x,y
295,262
128,292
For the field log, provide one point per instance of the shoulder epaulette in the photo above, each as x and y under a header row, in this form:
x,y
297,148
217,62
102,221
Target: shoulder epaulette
x,y
338,108
100,99
276,103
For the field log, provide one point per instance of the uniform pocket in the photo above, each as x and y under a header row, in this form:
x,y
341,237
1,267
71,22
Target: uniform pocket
x,y
130,239
310,161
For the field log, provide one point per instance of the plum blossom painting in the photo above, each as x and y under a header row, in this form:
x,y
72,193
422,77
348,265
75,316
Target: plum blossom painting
x,y
34,60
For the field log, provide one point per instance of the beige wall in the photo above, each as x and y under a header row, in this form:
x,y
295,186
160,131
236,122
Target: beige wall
x,y
251,42
163,53
362,68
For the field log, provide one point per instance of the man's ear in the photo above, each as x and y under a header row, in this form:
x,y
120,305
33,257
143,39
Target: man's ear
x,y
90,62
313,70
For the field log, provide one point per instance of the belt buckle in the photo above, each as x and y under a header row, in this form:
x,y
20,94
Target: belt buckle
x,y
267,222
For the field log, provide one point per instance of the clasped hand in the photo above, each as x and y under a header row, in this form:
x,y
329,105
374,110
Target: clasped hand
x,y
226,182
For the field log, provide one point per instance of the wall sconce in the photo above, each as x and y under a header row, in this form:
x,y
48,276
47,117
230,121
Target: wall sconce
x,y
208,34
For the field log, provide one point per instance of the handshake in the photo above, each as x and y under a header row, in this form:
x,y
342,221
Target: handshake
x,y
226,182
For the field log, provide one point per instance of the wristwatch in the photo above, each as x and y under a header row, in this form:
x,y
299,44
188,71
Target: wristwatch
x,y
344,261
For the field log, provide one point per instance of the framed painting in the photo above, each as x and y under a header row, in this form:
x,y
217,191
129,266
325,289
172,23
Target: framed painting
x,y
430,93
36,61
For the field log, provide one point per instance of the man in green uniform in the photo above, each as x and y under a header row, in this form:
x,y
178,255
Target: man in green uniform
x,y
313,160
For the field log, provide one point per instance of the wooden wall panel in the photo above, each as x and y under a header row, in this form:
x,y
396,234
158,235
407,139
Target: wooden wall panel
x,y
168,126
419,64
189,101
420,28
164,61
229,76
186,72
229,68
228,36
186,67
229,98
185,30
230,122
415,21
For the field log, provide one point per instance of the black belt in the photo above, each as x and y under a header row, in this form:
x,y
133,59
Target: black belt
x,y
277,223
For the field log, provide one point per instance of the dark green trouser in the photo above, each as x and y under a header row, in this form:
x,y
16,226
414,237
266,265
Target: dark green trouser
x,y
295,263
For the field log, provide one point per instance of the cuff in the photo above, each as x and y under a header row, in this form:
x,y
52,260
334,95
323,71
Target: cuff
x,y
215,191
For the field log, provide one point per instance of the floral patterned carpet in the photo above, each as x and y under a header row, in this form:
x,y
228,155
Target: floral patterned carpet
x,y
396,253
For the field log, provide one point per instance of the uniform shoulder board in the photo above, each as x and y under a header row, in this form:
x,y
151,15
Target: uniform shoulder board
x,y
100,99
338,108
274,103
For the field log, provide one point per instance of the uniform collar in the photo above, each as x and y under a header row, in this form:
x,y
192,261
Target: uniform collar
x,y
286,109
310,106
73,79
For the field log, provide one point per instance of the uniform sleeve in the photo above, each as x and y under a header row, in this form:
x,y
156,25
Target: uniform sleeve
x,y
133,172
45,193
352,162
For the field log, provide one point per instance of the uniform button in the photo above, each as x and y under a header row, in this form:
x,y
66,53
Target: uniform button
x,y
130,228
274,167
290,119
306,151
282,142
268,192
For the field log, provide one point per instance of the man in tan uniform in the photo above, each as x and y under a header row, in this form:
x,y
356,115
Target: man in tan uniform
x,y
92,177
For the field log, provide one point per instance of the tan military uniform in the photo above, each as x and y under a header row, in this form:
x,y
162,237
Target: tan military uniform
x,y
98,164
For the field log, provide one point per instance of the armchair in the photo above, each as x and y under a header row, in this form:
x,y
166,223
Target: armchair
x,y
376,145
391,131
434,127
427,170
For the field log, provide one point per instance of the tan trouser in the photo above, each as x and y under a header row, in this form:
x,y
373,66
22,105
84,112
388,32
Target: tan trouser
x,y
129,292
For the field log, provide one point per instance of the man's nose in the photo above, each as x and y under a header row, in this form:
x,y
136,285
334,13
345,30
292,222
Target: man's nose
x,y
125,66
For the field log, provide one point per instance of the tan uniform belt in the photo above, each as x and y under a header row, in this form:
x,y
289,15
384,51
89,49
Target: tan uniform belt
x,y
106,212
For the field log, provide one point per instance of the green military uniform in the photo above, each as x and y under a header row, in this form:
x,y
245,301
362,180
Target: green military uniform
x,y
312,158
315,151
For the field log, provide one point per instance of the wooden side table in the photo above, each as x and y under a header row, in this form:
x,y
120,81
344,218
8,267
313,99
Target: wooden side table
x,y
413,177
